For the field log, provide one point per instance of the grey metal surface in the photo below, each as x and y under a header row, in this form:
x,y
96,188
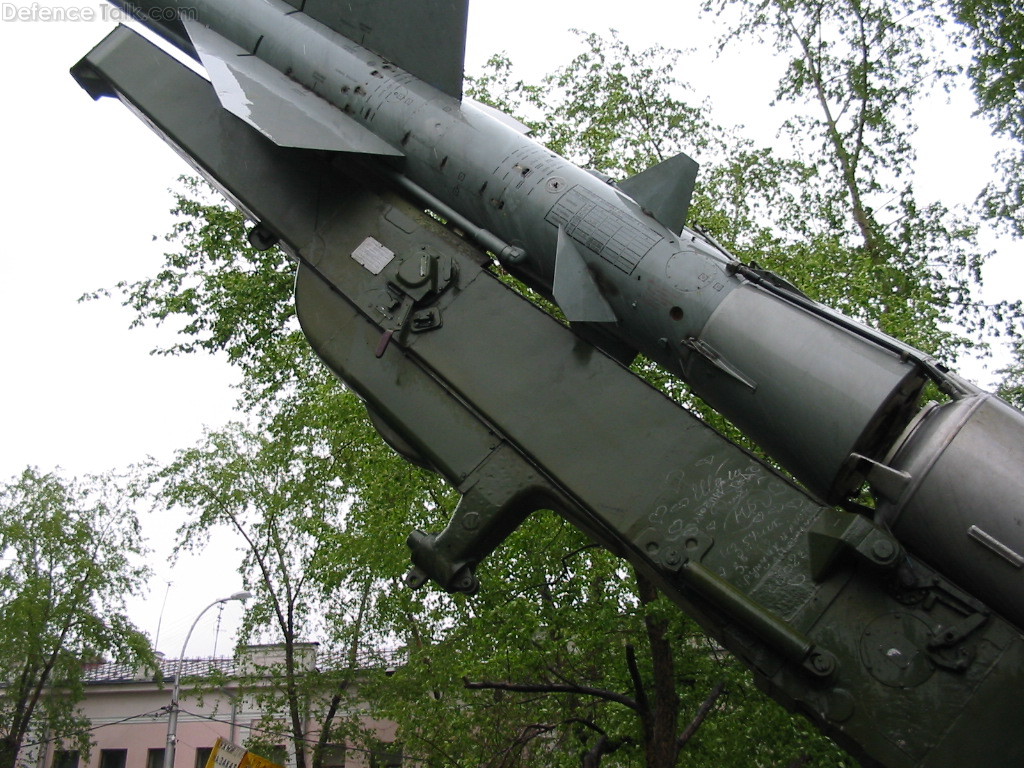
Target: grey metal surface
x,y
879,650
574,288
426,38
810,393
961,507
665,190
281,109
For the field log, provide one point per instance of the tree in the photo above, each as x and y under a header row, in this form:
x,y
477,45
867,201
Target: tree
x,y
910,267
611,108
286,498
564,660
858,67
1012,387
567,658
995,32
71,552
287,486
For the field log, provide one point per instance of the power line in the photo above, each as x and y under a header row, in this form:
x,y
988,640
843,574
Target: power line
x,y
152,713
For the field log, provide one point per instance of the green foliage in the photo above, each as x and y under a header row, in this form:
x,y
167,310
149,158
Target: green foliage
x,y
297,487
222,296
536,667
287,491
995,32
1012,388
994,29
610,108
865,241
71,552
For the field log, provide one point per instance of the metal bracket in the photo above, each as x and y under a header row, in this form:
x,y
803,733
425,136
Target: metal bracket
x,y
412,281
683,558
261,238
837,533
673,555
884,480
496,498
946,647
710,354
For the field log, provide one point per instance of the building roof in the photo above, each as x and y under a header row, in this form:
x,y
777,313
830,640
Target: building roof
x,y
118,672
113,672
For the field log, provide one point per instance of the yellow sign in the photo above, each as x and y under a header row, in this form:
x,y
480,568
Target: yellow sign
x,y
228,755
255,761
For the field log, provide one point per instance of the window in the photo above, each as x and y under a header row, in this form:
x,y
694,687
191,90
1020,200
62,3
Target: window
x,y
388,756
155,758
113,758
65,758
203,756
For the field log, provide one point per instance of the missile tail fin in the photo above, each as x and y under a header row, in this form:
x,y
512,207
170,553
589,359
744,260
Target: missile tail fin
x,y
575,290
665,190
427,40
279,108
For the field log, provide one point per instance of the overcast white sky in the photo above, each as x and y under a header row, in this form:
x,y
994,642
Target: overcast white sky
x,y
85,204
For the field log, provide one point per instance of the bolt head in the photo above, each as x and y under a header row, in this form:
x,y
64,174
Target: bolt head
x,y
883,549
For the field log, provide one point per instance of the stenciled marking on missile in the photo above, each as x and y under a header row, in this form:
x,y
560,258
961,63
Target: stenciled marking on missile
x,y
756,521
399,94
612,234
692,269
529,166
373,255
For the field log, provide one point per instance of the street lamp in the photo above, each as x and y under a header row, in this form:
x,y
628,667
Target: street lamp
x,y
172,721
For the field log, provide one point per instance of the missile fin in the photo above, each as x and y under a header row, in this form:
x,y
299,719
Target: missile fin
x,y
575,290
279,108
427,40
665,190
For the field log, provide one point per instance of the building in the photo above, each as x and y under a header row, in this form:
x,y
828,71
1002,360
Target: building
x,y
129,708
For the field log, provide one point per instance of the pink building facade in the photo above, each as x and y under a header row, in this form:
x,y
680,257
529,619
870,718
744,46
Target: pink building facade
x,y
129,708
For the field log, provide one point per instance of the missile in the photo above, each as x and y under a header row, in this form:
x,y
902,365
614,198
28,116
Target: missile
x,y
834,402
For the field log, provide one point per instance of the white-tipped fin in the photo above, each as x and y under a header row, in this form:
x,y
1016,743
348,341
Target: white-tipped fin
x,y
278,107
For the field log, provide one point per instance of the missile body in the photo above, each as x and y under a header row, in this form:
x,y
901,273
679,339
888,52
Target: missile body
x,y
833,401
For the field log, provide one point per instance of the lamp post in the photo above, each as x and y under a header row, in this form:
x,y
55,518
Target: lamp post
x,y
172,721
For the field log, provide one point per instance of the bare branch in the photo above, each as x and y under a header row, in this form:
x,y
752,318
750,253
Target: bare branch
x,y
599,693
702,713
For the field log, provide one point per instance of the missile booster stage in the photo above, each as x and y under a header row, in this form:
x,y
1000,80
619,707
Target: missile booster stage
x,y
376,95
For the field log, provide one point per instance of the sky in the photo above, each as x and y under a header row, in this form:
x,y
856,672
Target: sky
x,y
85,204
